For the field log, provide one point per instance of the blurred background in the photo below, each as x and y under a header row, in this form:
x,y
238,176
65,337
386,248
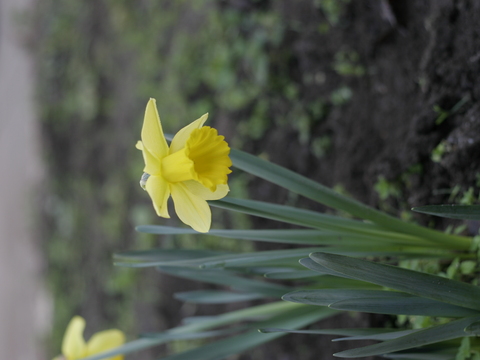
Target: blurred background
x,y
377,99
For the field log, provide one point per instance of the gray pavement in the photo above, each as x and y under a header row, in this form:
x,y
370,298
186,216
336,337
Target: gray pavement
x,y
24,306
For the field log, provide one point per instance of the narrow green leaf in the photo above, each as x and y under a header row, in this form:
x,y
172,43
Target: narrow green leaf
x,y
452,330
324,195
433,355
318,220
351,334
343,332
440,350
255,266
291,274
325,297
294,215
333,282
227,278
261,270
286,236
271,257
403,306
333,279
166,255
215,297
269,310
312,265
196,335
404,252
149,258
259,257
253,313
217,350
463,212
412,282
382,336
473,329
197,319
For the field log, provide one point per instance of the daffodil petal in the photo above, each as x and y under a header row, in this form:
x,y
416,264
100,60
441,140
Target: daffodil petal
x,y
182,136
205,193
190,208
106,340
158,189
152,164
152,133
73,345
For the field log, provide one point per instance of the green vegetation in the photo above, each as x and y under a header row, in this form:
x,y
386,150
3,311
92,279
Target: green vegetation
x,y
332,9
386,189
347,64
439,151
341,96
444,114
432,282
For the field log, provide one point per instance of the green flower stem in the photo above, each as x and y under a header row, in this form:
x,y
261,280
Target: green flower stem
x,y
324,195
261,311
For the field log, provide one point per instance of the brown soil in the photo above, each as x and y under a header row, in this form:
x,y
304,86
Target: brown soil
x,y
417,55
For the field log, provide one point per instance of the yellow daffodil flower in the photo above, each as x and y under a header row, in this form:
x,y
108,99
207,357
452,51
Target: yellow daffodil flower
x,y
74,346
193,170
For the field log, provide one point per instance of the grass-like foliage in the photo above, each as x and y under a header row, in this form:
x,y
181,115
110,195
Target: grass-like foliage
x,y
345,264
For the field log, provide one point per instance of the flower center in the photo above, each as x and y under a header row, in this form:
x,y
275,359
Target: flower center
x,y
204,159
209,153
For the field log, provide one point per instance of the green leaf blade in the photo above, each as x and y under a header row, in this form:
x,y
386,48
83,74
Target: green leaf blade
x,y
403,306
358,332
462,212
412,282
215,297
161,257
230,279
286,236
324,195
449,331
295,318
325,297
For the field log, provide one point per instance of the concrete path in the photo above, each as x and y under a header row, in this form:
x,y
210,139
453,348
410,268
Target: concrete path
x,y
23,305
